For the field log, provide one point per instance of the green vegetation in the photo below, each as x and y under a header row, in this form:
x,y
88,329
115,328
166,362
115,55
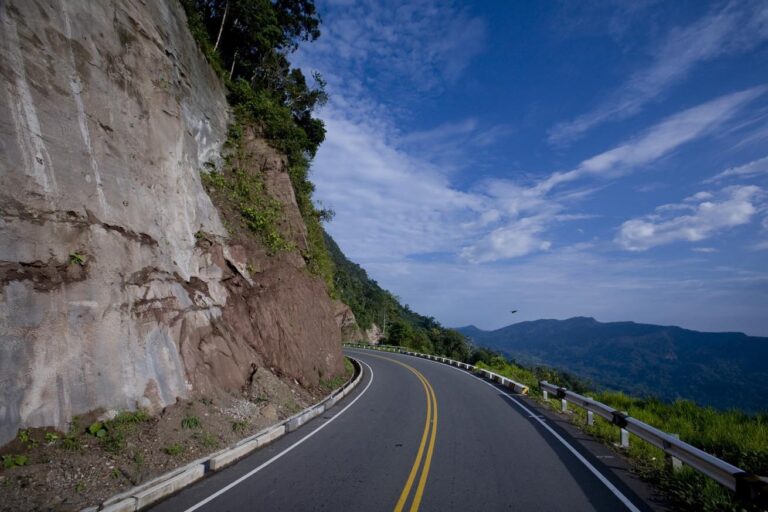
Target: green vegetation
x,y
131,417
71,441
111,433
245,191
252,38
402,326
206,439
734,436
76,258
174,449
10,461
190,422
239,426
25,438
97,429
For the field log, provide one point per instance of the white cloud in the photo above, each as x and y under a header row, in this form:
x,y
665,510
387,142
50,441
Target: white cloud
x,y
704,249
749,170
516,239
733,206
387,201
735,28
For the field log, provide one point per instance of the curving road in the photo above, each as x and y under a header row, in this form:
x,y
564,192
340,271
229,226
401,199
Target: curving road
x,y
419,435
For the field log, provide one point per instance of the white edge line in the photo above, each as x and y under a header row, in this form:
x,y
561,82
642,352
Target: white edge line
x,y
626,501
284,452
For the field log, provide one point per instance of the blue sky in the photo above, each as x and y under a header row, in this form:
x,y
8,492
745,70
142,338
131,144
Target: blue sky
x,y
605,159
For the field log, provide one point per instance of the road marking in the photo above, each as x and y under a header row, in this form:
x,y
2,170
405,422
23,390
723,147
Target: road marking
x,y
616,492
430,451
428,436
284,452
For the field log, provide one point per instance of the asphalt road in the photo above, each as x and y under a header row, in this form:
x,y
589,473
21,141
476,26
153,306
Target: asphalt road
x,y
417,435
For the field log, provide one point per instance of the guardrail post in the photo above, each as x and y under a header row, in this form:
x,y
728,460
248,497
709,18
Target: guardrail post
x,y
545,394
564,405
624,438
673,463
590,418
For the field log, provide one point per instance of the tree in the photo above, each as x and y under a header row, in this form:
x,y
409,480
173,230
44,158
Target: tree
x,y
400,334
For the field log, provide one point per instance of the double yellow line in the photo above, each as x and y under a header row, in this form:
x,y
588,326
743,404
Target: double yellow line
x,y
423,460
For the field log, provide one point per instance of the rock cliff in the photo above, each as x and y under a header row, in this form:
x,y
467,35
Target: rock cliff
x,y
119,285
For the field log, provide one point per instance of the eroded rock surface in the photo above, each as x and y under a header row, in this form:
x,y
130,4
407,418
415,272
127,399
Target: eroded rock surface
x,y
119,286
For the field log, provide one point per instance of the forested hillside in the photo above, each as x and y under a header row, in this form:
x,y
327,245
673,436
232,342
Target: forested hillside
x,y
402,326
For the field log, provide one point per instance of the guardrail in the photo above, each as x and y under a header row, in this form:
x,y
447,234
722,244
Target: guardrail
x,y
747,486
493,377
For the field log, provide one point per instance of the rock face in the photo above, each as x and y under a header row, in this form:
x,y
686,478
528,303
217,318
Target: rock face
x,y
119,285
374,334
345,319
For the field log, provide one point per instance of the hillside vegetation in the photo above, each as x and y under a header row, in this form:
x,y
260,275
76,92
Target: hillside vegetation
x,y
248,42
371,304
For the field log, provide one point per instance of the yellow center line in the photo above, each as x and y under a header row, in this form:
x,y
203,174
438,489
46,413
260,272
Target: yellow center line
x,y
428,460
428,436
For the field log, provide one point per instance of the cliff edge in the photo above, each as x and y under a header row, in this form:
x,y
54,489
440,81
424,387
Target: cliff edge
x,y
121,288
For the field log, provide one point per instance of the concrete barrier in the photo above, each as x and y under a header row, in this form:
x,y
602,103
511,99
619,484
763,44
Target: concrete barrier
x,y
175,480
124,505
170,486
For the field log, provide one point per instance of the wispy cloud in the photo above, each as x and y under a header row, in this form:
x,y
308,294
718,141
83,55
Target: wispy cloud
x,y
737,27
528,212
699,217
388,196
416,44
751,169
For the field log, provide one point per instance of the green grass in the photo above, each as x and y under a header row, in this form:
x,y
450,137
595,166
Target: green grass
x,y
206,439
335,383
190,422
174,449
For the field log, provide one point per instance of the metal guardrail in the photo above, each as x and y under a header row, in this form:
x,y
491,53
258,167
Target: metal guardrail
x,y
493,377
747,486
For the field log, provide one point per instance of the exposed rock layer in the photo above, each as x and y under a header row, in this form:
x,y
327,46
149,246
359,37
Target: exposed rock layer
x,y
119,288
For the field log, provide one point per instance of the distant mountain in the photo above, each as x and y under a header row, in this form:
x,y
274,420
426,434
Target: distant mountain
x,y
724,370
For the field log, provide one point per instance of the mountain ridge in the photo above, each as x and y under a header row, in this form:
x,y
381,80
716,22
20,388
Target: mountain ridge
x,y
720,369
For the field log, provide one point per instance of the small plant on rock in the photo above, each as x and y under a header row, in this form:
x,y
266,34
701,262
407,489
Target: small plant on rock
x,y
76,258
